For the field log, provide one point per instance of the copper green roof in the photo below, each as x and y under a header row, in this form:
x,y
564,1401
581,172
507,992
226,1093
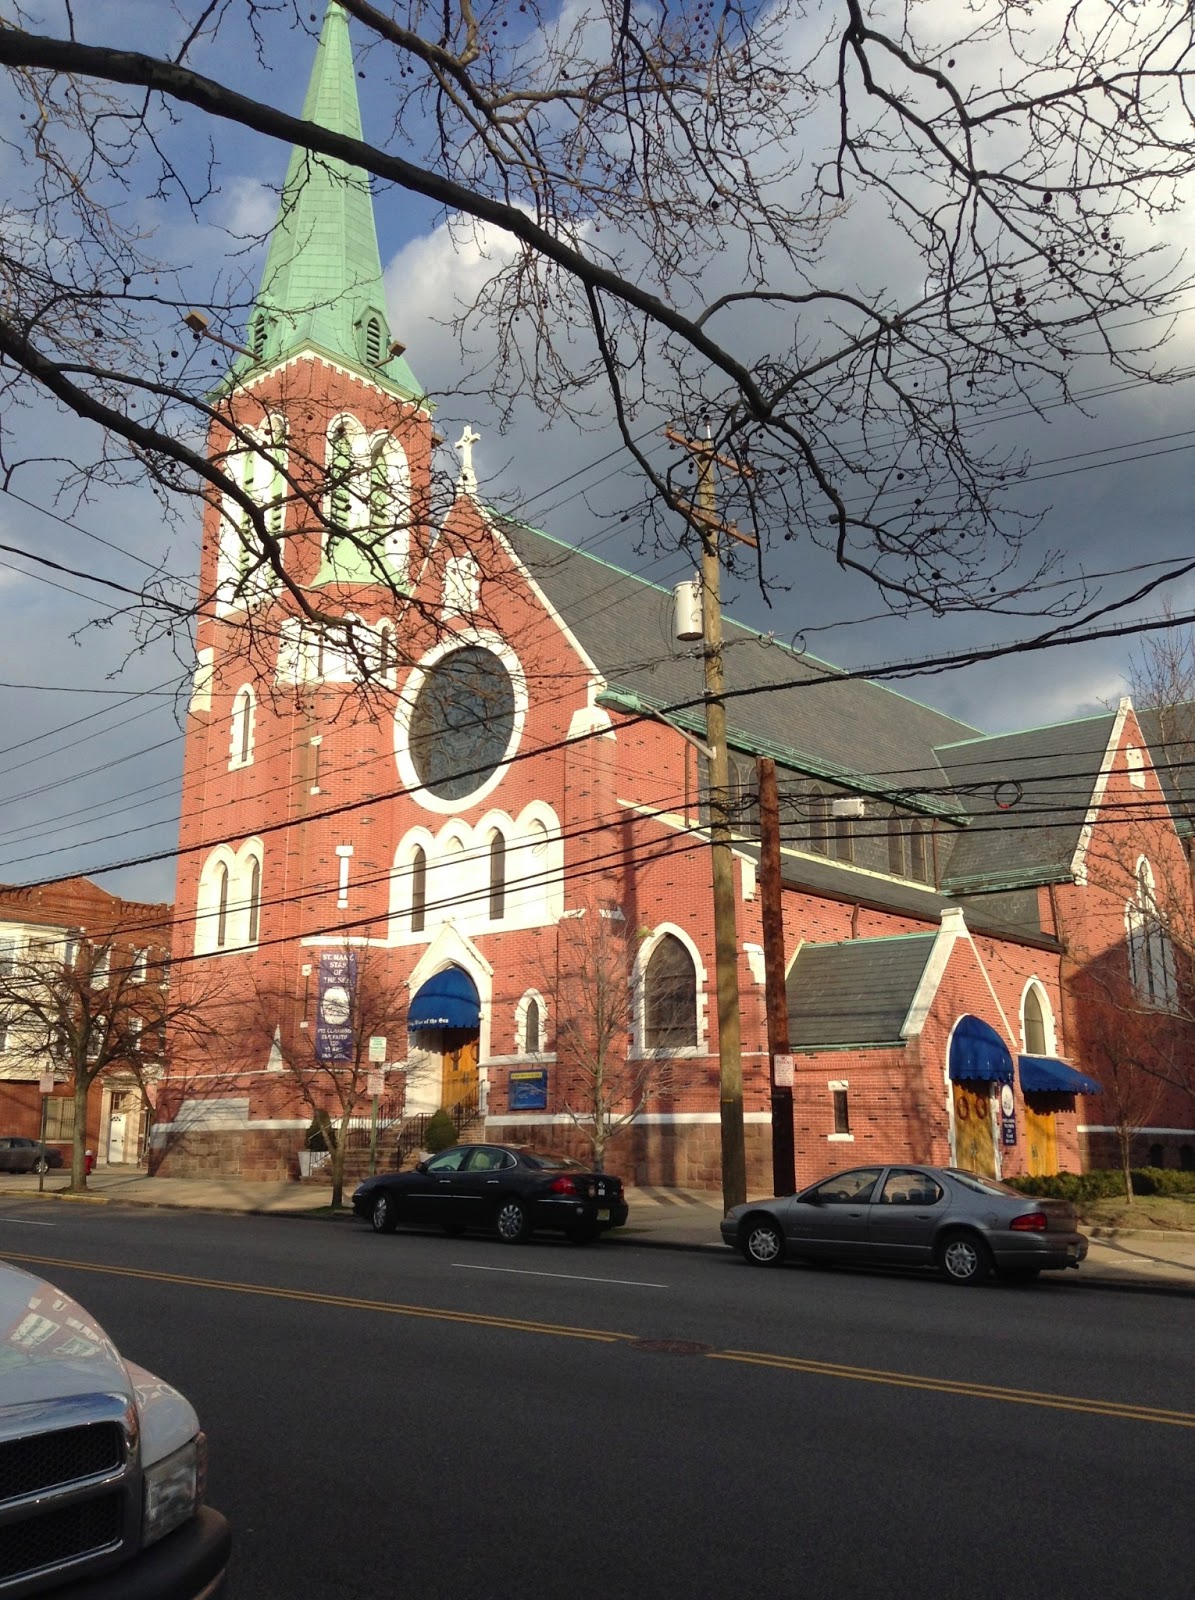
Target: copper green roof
x,y
322,283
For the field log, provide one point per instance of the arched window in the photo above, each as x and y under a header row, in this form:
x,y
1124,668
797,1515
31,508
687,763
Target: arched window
x,y
418,890
254,899
390,502
340,480
896,845
1151,954
221,906
531,1044
497,876
1035,1024
918,853
387,653
670,997
241,752
819,822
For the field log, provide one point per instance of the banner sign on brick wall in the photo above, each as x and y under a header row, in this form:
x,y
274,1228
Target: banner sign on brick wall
x,y
334,1017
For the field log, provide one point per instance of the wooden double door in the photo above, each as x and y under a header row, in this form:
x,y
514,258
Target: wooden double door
x,y
974,1135
458,1077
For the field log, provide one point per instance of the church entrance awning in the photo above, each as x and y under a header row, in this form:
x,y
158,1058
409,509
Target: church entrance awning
x,y
978,1054
1045,1075
449,999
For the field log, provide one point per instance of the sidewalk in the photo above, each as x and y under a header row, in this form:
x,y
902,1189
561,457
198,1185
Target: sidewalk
x,y
677,1219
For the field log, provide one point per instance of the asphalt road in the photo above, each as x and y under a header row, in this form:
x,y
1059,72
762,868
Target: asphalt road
x,y
455,1418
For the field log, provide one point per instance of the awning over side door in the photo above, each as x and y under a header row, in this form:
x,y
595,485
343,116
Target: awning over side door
x,y
978,1053
1045,1075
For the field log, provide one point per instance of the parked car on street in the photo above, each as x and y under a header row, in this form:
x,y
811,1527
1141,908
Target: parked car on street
x,y
27,1155
104,1465
942,1217
506,1188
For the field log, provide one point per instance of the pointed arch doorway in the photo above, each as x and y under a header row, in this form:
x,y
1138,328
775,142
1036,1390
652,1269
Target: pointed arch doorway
x,y
979,1063
446,1014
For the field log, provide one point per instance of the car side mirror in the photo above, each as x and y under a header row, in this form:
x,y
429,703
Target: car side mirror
x,y
811,1199
421,1166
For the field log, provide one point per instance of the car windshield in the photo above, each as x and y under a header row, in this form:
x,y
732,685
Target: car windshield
x,y
552,1163
981,1185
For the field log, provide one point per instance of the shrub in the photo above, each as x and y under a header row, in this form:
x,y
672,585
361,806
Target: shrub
x,y
1163,1180
316,1137
1076,1187
1105,1184
441,1132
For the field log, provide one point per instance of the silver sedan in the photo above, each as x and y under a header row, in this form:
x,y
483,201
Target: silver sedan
x,y
959,1222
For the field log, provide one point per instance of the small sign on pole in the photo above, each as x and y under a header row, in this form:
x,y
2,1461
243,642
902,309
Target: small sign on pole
x,y
782,1071
377,1048
374,1084
46,1085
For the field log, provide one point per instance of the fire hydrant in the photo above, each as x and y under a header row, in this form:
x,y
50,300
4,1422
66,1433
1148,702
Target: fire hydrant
x,y
89,1162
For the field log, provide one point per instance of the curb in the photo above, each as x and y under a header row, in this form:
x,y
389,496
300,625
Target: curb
x,y
1141,1233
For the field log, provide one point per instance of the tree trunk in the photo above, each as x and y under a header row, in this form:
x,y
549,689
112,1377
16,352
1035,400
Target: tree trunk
x,y
79,1143
338,1152
1126,1165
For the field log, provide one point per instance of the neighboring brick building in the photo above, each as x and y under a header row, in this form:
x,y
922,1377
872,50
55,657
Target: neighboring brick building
x,y
486,759
80,935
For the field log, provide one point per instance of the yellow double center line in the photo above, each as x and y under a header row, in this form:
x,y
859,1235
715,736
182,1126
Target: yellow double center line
x,y
1124,1411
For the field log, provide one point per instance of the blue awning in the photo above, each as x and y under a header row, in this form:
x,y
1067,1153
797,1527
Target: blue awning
x,y
978,1054
447,1000
1044,1075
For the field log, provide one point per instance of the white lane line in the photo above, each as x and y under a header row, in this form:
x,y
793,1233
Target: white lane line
x,y
26,1222
576,1277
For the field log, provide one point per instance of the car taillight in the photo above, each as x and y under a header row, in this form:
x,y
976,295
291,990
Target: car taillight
x,y
562,1186
1031,1222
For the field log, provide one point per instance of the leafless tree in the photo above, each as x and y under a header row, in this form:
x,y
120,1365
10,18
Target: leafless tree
x,y
602,1086
1133,1050
97,1011
845,234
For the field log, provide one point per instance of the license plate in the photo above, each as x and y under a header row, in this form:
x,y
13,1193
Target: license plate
x,y
603,1216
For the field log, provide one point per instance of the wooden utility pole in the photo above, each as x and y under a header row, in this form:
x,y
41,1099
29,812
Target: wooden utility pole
x,y
703,515
784,1162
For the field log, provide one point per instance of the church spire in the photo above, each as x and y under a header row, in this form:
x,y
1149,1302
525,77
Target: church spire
x,y
322,283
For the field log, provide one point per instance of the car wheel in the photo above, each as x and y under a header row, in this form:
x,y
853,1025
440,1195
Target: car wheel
x,y
41,1165
964,1258
511,1221
763,1243
383,1214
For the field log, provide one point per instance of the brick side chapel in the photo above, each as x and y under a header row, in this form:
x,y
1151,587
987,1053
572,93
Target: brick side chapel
x,y
452,854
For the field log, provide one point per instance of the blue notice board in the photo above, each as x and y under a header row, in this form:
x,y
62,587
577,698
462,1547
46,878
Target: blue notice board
x,y
529,1090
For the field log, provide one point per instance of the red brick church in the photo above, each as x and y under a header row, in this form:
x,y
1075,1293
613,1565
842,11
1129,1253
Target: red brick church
x,y
439,821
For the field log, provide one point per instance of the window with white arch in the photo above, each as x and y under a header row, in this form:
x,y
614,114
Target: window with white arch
x,y
256,462
243,732
228,904
390,503
531,1016
1037,1022
669,996
1150,951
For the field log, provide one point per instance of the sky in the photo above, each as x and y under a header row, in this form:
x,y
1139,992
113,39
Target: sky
x,y
91,716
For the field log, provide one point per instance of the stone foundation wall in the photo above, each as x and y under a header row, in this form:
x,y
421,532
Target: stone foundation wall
x,y
262,1155
1100,1149
661,1155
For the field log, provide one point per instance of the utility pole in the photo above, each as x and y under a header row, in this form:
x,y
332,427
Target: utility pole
x,y
703,514
783,1151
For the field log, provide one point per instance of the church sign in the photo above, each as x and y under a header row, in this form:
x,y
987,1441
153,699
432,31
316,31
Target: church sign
x,y
334,1018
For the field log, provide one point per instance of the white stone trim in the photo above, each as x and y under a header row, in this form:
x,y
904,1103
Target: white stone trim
x,y
1079,859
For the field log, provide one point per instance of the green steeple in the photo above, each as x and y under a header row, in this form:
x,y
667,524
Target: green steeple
x,y
322,283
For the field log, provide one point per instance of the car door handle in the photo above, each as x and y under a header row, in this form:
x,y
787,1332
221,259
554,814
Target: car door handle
x,y
494,1181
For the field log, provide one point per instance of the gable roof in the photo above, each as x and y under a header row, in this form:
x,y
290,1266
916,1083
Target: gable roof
x,y
1170,733
1028,793
846,730
855,993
